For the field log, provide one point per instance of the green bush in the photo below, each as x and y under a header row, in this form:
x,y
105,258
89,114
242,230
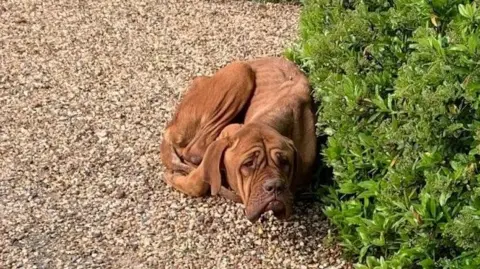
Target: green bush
x,y
279,1
398,84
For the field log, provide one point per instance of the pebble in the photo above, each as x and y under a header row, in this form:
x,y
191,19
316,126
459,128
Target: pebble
x,y
120,194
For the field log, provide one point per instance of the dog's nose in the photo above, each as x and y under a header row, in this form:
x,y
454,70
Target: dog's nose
x,y
274,186
195,159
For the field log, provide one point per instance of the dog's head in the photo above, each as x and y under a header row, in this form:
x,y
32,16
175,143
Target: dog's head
x,y
259,165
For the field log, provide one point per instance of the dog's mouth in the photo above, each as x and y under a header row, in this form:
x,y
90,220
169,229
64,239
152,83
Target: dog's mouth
x,y
278,208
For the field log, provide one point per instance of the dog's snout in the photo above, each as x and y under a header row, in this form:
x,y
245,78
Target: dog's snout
x,y
273,186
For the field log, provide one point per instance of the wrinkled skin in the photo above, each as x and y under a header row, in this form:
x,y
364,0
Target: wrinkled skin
x,y
258,164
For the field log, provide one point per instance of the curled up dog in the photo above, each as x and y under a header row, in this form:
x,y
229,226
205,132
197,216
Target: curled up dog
x,y
246,133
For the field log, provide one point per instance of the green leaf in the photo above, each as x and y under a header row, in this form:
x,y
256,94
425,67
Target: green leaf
x,y
472,44
357,220
455,127
363,252
439,3
366,194
458,47
427,263
456,165
371,261
433,208
348,188
364,236
366,140
444,196
368,184
378,100
379,241
374,117
463,11
328,131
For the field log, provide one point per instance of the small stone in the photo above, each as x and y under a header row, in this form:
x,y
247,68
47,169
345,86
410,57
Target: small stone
x,y
201,219
101,133
96,234
120,194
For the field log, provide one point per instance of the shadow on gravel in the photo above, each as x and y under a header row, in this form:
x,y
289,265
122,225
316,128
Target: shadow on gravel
x,y
322,176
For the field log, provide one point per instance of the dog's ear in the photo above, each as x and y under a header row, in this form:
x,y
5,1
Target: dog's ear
x,y
296,158
230,130
212,162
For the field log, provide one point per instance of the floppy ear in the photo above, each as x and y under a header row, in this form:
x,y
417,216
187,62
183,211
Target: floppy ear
x,y
296,158
230,130
211,164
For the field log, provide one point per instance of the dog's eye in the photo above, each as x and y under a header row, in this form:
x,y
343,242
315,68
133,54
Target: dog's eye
x,y
249,163
247,167
282,160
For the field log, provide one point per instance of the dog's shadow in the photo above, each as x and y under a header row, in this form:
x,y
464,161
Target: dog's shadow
x,y
322,176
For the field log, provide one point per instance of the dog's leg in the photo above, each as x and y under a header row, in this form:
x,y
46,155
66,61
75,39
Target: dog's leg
x,y
229,91
179,165
171,159
192,184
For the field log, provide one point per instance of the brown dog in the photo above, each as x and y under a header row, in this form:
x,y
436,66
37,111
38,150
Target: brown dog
x,y
264,157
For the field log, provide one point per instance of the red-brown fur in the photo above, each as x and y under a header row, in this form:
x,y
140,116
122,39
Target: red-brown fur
x,y
277,132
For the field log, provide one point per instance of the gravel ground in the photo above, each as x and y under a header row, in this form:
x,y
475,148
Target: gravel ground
x,y
86,88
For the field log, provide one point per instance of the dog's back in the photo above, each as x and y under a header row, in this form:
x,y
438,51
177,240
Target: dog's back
x,y
282,100
207,107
